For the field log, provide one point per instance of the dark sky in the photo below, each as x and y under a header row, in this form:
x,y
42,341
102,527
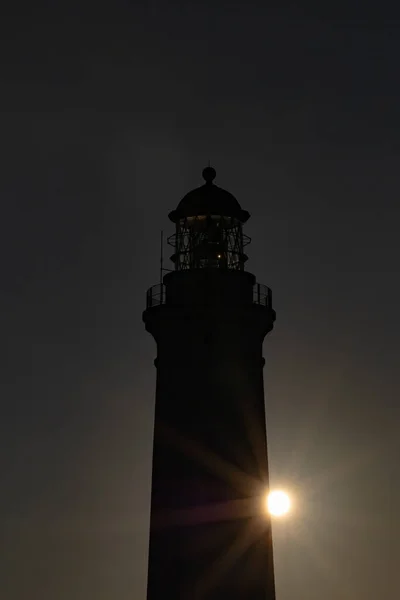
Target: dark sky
x,y
109,114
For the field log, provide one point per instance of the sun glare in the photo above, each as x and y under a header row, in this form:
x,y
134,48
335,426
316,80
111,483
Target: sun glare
x,y
278,503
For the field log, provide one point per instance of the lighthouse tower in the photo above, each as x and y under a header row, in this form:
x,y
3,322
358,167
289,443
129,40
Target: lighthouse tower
x,y
210,533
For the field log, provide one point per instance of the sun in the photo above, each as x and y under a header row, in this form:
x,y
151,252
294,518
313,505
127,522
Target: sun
x,y
278,503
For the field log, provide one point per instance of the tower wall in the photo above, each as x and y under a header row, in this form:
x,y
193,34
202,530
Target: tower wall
x,y
210,533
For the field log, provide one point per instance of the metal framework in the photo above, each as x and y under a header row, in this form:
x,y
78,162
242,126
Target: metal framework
x,y
209,241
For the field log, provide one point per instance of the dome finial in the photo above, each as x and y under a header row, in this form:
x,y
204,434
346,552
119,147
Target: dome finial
x,y
209,174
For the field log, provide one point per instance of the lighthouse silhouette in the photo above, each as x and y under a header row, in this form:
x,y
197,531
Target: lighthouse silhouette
x,y
210,531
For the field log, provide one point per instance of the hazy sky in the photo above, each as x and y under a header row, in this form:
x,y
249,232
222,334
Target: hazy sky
x,y
110,112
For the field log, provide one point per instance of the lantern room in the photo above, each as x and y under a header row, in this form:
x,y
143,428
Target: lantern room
x,y
209,229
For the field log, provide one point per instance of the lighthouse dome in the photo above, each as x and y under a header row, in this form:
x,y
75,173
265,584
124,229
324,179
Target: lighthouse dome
x,y
209,199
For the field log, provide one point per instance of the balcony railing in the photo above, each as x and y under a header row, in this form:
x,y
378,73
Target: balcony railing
x,y
262,295
156,295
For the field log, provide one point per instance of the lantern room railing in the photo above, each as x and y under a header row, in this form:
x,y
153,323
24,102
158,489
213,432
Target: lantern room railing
x,y
156,295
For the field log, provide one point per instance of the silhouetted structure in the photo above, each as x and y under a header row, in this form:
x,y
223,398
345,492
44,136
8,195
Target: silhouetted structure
x,y
210,532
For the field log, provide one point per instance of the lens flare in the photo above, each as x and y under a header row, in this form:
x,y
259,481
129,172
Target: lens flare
x,y
278,503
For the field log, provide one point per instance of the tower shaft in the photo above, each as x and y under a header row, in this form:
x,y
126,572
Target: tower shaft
x,y
210,534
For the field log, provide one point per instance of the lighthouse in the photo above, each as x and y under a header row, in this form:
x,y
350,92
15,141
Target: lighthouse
x,y
210,532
